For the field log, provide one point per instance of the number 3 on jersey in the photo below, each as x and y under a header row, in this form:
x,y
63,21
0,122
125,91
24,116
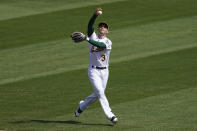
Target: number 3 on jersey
x,y
103,57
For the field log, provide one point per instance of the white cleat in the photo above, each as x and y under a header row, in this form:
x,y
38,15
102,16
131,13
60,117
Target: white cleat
x,y
114,120
78,111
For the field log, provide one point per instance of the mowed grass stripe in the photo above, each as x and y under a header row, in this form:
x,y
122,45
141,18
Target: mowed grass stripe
x,y
128,43
56,25
15,9
171,111
50,96
57,70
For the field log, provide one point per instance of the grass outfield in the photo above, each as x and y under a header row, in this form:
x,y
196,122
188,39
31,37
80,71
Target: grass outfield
x,y
43,75
155,95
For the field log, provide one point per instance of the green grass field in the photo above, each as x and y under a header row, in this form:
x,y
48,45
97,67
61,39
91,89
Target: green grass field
x,y
153,67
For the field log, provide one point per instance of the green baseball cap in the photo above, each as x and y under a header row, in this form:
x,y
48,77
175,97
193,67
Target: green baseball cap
x,y
105,25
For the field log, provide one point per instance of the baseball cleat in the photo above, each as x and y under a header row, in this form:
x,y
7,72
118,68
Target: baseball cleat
x,y
78,111
114,120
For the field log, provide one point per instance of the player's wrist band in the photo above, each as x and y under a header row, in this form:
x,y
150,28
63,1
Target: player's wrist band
x,y
87,38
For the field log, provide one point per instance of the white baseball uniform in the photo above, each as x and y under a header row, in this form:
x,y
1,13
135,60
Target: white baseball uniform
x,y
98,74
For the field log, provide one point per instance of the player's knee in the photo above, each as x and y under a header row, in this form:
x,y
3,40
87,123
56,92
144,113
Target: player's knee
x,y
101,94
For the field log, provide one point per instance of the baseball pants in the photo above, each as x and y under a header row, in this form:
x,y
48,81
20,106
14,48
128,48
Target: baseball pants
x,y
98,79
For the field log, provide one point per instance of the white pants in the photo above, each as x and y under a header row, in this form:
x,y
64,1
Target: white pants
x,y
98,79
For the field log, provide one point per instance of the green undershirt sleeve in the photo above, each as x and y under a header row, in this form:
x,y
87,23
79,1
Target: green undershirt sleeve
x,y
98,44
91,30
90,25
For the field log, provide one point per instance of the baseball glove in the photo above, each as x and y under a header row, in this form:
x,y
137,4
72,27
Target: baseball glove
x,y
78,37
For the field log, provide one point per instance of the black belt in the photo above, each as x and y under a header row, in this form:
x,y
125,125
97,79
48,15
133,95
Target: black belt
x,y
101,68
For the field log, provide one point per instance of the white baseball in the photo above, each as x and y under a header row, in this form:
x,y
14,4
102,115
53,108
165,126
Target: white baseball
x,y
99,12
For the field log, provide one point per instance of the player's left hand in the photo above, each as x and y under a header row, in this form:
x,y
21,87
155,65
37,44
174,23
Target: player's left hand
x,y
78,37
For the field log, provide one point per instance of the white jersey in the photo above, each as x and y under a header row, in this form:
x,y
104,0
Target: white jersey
x,y
98,56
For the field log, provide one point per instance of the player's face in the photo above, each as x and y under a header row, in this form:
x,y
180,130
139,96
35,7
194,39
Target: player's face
x,y
102,30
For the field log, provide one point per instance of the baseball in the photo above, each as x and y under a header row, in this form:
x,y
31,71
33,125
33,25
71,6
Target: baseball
x,y
99,12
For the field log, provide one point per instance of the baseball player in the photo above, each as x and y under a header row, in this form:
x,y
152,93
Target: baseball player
x,y
99,53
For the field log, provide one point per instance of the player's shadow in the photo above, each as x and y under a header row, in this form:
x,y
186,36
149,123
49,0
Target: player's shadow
x,y
59,122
